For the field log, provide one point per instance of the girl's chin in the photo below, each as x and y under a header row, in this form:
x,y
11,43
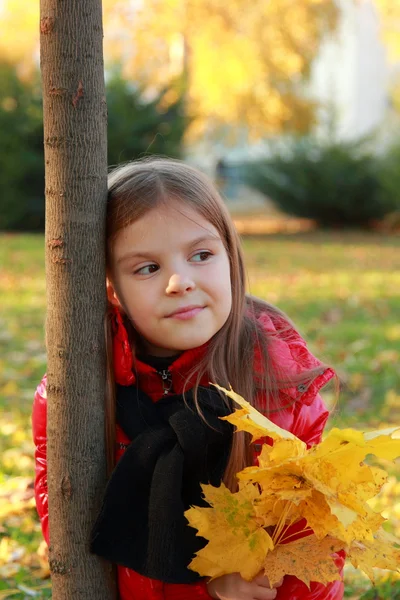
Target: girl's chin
x,y
180,346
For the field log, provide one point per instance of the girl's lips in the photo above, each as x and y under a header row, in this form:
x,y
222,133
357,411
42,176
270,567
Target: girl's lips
x,y
186,313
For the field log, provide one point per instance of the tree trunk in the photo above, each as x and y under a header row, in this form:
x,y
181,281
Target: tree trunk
x,y
75,141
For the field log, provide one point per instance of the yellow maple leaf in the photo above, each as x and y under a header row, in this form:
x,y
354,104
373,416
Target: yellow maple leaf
x,y
351,446
282,450
279,510
250,420
329,479
382,552
308,559
324,495
343,513
362,529
280,477
316,511
238,542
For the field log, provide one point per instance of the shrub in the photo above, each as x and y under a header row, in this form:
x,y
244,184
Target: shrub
x,y
21,152
389,176
136,126
335,184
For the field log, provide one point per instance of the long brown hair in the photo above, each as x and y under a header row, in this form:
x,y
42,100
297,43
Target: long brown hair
x,y
139,186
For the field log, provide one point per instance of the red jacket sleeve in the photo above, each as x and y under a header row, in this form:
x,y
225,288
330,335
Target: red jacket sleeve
x,y
194,591
309,420
39,421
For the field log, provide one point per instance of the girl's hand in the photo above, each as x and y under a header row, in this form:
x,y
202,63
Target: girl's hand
x,y
233,587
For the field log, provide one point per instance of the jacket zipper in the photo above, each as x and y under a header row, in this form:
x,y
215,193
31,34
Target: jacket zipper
x,y
166,377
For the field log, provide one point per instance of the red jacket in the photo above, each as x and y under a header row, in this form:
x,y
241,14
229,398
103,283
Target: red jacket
x,y
306,418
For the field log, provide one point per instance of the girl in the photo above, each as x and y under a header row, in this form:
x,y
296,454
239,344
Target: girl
x,y
179,318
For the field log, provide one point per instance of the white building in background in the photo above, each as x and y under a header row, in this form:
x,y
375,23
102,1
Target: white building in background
x,y
352,74
351,78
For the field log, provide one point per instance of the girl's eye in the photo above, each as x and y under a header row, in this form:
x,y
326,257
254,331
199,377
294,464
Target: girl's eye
x,y
147,270
201,256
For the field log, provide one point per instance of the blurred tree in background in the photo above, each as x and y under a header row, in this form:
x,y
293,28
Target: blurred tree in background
x,y
390,17
187,68
19,41
389,11
243,64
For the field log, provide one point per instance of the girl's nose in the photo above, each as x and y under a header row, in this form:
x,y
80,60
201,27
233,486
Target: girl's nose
x,y
178,284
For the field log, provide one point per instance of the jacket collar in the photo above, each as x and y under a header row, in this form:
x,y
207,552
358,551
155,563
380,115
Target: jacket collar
x,y
156,383
287,351
129,370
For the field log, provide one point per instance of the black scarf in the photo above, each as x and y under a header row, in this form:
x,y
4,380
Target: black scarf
x,y
141,524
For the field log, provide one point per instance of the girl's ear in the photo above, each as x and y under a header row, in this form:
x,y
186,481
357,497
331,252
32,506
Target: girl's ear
x,y
111,294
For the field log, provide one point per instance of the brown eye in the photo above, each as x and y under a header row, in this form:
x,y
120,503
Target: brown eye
x,y
201,256
147,270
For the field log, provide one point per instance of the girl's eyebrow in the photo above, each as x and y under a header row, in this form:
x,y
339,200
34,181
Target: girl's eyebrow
x,y
149,255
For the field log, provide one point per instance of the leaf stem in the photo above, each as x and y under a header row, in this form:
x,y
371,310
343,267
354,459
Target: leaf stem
x,y
283,539
281,523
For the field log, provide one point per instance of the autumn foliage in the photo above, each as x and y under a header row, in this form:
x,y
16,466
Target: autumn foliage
x,y
240,63
326,489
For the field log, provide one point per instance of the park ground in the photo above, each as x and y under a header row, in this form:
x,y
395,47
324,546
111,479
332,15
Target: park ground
x,y
342,289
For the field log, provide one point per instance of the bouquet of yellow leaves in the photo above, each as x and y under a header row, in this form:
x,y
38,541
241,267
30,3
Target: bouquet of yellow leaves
x,y
326,487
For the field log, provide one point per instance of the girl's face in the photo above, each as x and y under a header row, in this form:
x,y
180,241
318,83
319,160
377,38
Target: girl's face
x,y
170,273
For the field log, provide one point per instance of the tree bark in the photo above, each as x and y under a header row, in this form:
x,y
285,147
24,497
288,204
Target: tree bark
x,y
75,141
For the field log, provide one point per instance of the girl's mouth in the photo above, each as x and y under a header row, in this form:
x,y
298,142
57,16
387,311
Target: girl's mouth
x,y
185,313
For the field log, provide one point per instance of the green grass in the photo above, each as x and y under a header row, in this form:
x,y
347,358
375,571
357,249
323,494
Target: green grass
x,y
341,290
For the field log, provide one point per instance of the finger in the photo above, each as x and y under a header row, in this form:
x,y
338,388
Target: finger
x,y
264,581
265,594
